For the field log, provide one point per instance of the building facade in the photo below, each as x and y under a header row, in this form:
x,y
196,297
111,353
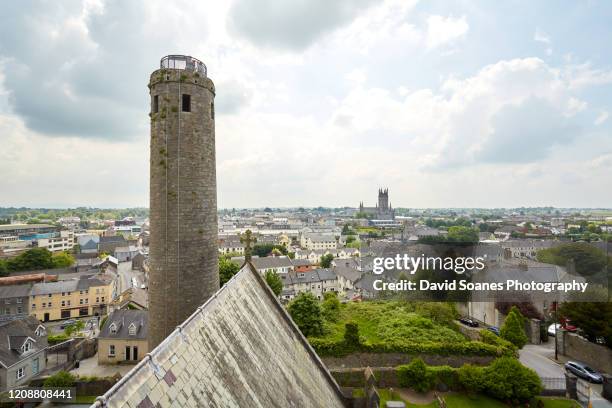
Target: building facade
x,y
123,339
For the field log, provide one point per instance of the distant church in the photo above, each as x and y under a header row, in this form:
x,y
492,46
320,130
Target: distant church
x,y
383,209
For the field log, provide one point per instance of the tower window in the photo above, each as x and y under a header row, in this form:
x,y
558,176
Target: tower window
x,y
156,104
186,103
212,110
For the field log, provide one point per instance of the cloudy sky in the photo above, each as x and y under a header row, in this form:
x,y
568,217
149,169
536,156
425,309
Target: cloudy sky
x,y
448,104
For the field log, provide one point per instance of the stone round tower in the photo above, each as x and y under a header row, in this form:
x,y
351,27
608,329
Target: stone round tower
x,y
183,194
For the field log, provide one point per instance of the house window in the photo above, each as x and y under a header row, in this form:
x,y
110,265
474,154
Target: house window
x,y
155,103
33,305
49,304
7,301
212,110
113,328
63,303
44,304
49,294
102,299
20,373
111,350
19,300
35,366
97,300
81,301
186,103
19,309
27,346
132,329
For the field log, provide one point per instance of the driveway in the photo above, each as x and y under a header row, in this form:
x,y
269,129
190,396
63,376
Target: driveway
x,y
90,367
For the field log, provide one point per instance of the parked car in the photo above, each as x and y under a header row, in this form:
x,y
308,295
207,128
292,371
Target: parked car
x,y
552,329
583,371
468,321
67,323
143,286
494,330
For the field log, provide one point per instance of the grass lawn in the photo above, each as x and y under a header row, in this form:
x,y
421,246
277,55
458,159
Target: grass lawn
x,y
85,399
479,401
550,402
390,320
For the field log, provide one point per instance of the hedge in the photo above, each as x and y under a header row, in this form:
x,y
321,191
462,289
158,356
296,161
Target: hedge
x,y
332,348
505,379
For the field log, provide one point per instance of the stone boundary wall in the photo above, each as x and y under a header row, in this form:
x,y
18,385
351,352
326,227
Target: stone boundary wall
x,y
576,348
357,360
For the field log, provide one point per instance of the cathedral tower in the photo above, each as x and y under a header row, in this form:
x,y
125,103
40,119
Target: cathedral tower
x,y
183,194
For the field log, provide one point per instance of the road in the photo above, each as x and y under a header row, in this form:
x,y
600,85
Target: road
x,y
540,358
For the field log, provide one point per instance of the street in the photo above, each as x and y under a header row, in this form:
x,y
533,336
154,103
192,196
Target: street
x,y
540,358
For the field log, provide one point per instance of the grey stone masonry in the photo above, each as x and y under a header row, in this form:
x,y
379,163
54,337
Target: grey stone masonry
x,y
183,198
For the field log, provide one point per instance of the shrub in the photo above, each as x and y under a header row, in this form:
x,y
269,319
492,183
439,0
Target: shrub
x,y
57,338
306,313
331,307
513,329
471,378
415,375
507,349
351,334
274,282
60,379
508,380
445,375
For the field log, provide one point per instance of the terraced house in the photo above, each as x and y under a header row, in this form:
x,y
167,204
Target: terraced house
x,y
22,351
14,302
87,296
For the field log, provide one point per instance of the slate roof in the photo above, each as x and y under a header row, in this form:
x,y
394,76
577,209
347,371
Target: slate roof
x,y
14,291
123,318
12,335
315,275
239,349
114,238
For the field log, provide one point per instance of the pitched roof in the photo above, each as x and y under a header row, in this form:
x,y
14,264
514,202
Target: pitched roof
x,y
13,334
240,349
123,318
14,291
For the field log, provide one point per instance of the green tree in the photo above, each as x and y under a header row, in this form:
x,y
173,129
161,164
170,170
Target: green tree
x,y
32,259
4,270
351,334
63,260
593,318
471,378
513,328
306,313
346,230
585,258
331,306
262,250
227,269
326,260
463,234
274,282
508,380
415,375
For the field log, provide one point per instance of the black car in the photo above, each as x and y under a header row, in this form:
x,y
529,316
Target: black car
x,y
469,322
583,371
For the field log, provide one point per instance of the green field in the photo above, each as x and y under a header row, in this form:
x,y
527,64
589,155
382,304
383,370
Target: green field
x,y
392,320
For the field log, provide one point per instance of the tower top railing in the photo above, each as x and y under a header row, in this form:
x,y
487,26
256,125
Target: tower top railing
x,y
184,62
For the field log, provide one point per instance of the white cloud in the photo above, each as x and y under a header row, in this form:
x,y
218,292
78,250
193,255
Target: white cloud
x,y
601,118
445,30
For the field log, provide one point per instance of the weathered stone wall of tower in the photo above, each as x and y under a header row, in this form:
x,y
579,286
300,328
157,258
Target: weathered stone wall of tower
x,y
183,200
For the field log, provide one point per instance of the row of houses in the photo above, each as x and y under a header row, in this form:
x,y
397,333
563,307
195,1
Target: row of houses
x,y
86,295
